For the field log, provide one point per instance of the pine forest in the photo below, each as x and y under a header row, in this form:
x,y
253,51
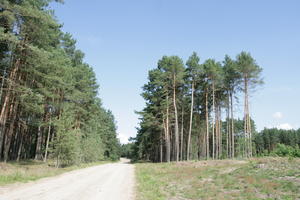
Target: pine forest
x,y
49,95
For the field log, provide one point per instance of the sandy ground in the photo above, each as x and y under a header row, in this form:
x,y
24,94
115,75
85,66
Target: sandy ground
x,y
104,182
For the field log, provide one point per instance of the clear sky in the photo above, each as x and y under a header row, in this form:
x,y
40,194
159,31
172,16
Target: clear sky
x,y
123,39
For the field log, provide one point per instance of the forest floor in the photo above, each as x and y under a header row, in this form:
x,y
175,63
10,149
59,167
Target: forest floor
x,y
257,178
111,181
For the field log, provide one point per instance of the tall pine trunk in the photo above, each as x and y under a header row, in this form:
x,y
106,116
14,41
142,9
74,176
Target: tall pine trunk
x,y
213,122
181,134
10,130
207,125
228,132
168,142
2,82
161,148
217,132
7,102
48,139
191,123
38,144
220,132
20,146
232,126
250,132
246,119
176,121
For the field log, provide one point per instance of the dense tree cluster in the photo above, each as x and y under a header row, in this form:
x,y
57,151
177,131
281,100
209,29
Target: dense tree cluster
x,y
267,140
183,118
49,104
127,150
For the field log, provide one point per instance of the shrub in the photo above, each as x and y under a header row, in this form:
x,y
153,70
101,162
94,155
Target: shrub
x,y
286,151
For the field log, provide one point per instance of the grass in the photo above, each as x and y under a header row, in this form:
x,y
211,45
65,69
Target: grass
x,y
258,178
31,170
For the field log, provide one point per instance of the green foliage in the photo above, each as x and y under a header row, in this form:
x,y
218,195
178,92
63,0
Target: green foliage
x,y
248,69
213,71
286,151
193,67
214,86
66,146
54,93
127,150
92,149
267,140
231,74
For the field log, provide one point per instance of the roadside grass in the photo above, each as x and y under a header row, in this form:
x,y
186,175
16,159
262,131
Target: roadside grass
x,y
257,178
30,170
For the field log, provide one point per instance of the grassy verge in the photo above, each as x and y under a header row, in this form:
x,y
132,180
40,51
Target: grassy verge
x,y
259,178
30,170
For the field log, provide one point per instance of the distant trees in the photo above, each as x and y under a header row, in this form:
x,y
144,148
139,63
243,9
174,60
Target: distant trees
x,y
49,104
267,140
206,91
127,151
283,150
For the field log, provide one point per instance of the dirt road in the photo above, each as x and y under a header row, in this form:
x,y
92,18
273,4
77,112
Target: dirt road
x,y
104,182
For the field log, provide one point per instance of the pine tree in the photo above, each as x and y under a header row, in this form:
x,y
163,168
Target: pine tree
x,y
250,74
49,105
231,81
193,70
173,69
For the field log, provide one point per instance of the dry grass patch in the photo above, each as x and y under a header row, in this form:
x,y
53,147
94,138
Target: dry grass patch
x,y
30,170
263,178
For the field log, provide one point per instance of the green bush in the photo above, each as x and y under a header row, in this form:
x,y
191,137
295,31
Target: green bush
x,y
286,151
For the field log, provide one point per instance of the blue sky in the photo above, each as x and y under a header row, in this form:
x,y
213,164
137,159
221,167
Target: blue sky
x,y
122,40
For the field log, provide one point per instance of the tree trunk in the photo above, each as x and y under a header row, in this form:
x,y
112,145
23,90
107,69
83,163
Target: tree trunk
x,y
232,126
161,148
176,121
191,123
17,140
2,82
207,125
8,138
6,103
181,135
38,144
47,142
249,124
20,146
220,132
168,145
213,122
217,132
246,128
228,140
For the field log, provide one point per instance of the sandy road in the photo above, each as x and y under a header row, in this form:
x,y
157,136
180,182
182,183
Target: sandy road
x,y
104,182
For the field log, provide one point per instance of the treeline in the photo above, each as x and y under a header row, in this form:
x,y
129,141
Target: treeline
x,y
189,111
49,104
267,140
